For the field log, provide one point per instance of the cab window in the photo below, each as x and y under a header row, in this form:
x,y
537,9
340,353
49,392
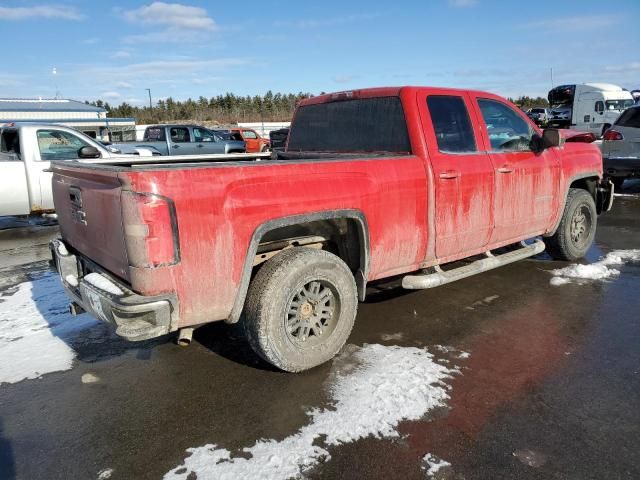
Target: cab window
x,y
250,134
451,124
9,145
202,135
179,135
599,106
507,130
59,145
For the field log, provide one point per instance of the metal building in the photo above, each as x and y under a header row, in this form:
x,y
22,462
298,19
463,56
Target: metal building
x,y
88,119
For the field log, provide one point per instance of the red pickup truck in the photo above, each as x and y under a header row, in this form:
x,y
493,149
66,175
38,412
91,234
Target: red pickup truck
x,y
373,183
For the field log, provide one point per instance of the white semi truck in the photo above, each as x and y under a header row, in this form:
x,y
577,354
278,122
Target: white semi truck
x,y
589,107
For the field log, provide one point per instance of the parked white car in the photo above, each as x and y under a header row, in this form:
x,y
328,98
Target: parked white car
x,y
26,151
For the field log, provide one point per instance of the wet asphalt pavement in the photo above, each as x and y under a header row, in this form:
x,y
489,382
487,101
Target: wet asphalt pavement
x,y
551,389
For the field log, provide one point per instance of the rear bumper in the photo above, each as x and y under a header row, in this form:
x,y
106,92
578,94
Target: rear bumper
x,y
621,167
134,317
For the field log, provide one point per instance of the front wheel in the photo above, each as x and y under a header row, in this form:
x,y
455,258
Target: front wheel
x,y
577,227
300,308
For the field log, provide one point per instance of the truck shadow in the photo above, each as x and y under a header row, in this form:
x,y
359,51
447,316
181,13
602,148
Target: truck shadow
x,y
230,342
7,460
90,339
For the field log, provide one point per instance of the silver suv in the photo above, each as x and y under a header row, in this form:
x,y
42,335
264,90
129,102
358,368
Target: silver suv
x,y
621,147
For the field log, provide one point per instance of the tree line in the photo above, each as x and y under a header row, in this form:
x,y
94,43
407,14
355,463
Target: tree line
x,y
526,103
230,108
223,109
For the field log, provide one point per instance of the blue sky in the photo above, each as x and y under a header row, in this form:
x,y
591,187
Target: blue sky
x,y
115,50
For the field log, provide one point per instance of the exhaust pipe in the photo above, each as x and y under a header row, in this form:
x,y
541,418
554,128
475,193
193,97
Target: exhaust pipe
x,y
184,336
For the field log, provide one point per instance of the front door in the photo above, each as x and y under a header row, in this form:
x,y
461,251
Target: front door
x,y
463,175
251,139
526,183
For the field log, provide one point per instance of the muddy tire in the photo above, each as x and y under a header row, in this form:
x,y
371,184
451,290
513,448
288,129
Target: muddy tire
x,y
300,308
577,227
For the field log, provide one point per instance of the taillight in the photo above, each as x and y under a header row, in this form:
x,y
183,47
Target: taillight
x,y
150,229
611,135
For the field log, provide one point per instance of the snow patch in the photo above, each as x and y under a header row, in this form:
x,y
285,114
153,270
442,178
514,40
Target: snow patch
x,y
102,283
89,378
599,270
387,337
433,464
34,323
105,474
377,388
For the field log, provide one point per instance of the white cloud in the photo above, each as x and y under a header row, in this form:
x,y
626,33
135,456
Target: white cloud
x,y
462,3
123,85
64,12
328,22
578,22
121,54
625,68
111,96
172,15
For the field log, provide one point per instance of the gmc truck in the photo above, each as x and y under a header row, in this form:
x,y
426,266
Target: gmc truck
x,y
376,183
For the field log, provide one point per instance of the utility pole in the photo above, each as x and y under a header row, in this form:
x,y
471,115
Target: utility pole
x,y
149,90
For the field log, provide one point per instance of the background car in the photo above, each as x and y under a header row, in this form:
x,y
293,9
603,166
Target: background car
x,y
539,115
254,142
621,147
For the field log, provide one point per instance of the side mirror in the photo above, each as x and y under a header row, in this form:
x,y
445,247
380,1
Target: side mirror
x,y
551,138
88,152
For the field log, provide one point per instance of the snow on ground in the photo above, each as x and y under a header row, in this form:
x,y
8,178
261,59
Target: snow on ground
x,y
34,324
385,385
433,464
596,271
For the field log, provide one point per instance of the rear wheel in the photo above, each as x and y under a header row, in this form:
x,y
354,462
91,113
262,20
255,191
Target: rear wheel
x,y
300,308
577,228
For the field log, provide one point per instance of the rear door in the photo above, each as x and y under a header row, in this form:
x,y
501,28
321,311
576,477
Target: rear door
x,y
526,183
14,191
180,141
463,174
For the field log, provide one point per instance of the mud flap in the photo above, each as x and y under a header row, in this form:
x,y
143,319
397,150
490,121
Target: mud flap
x,y
604,196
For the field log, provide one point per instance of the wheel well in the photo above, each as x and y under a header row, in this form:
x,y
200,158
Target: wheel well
x,y
343,232
340,236
589,184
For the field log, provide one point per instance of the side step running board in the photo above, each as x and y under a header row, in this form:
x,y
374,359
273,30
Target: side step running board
x,y
440,277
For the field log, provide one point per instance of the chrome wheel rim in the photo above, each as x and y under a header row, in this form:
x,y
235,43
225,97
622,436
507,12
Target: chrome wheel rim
x,y
580,228
312,313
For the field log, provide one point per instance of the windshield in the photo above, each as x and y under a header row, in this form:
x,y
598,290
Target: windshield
x,y
351,126
537,110
618,104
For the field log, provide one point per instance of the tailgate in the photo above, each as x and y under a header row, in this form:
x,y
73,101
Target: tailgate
x,y
87,201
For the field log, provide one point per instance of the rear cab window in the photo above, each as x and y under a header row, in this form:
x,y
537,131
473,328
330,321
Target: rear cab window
x,y
360,125
451,123
154,134
179,135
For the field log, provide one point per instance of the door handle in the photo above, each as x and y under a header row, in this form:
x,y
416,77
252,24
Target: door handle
x,y
175,146
449,174
200,145
505,169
